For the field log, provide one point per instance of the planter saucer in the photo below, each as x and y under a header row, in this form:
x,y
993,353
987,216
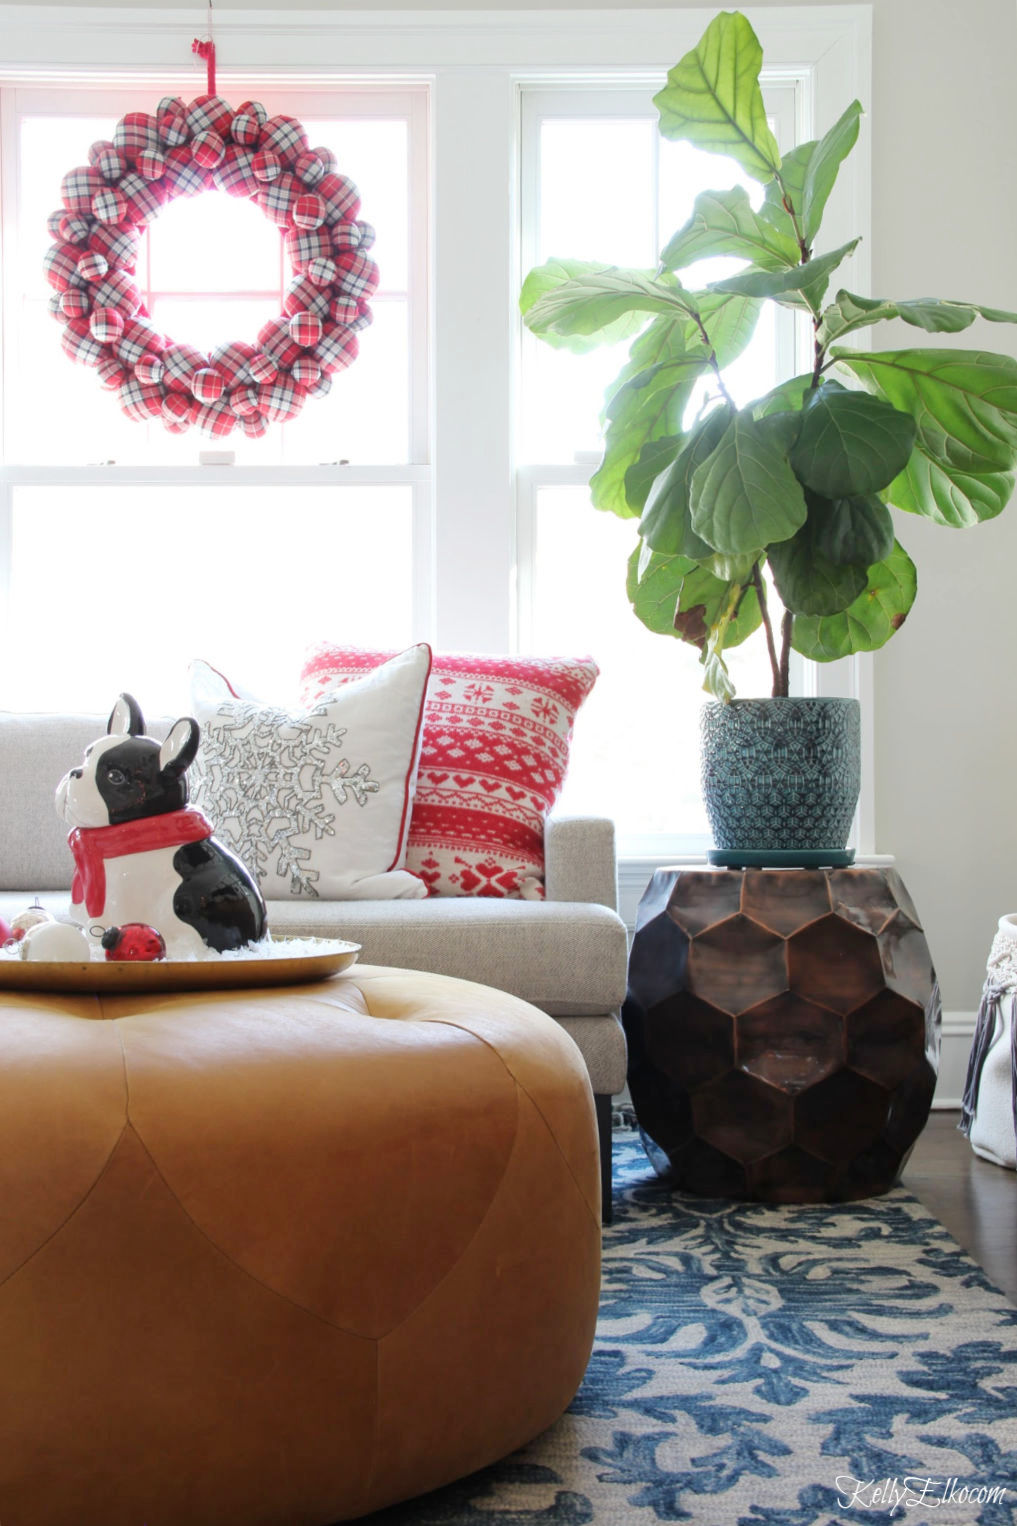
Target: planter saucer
x,y
781,858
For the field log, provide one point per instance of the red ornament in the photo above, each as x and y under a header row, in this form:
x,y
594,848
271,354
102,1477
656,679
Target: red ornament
x,y
134,941
183,150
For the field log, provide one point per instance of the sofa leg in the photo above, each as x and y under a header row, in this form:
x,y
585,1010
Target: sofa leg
x,y
604,1134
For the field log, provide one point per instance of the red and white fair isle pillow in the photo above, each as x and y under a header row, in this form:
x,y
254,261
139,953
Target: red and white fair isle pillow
x,y
493,758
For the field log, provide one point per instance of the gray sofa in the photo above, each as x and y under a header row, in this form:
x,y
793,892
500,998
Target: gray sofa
x,y
566,954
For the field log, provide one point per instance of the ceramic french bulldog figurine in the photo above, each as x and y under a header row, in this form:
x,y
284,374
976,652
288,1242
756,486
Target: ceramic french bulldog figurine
x,y
141,855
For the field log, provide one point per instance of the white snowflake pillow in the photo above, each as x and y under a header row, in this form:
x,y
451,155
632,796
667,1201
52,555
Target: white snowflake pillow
x,y
316,802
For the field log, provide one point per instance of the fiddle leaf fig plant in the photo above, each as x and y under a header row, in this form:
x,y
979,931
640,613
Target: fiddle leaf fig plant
x,y
801,483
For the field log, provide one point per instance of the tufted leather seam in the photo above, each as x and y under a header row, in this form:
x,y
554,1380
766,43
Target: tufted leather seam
x,y
99,1175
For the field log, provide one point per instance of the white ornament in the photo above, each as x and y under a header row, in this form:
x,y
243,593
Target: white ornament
x,y
56,942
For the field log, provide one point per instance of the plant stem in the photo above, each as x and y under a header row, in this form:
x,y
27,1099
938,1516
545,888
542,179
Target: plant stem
x,y
712,357
757,579
786,626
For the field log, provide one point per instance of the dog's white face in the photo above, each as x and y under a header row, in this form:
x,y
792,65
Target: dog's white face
x,y
78,801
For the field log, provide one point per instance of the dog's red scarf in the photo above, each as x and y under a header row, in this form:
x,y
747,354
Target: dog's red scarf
x,y
91,847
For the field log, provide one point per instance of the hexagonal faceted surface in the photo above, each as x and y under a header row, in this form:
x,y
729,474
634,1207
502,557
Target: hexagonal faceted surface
x,y
736,964
707,897
886,1038
742,1117
825,980
835,964
785,900
790,1042
840,1116
690,1040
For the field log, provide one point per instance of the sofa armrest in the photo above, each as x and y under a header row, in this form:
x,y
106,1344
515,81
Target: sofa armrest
x,y
580,860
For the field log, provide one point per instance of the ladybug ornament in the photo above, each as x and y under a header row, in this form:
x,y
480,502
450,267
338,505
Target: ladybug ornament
x,y
134,941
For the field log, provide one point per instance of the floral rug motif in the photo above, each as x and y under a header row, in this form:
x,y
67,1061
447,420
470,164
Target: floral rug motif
x,y
770,1366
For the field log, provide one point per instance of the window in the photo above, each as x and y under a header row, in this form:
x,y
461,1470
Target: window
x,y
439,491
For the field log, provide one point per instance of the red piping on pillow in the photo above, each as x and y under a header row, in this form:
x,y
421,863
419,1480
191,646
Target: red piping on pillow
x,y
404,820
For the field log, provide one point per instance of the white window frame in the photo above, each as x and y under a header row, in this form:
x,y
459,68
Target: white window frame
x,y
475,64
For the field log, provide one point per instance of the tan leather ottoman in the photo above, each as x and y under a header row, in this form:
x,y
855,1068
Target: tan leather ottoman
x,y
284,1256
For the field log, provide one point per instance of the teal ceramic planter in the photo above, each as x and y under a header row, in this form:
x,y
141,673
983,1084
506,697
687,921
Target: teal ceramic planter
x,y
781,779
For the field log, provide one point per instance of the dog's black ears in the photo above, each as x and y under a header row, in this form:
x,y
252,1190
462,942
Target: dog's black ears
x,y
126,718
177,752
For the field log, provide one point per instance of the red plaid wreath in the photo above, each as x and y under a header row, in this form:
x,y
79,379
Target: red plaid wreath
x,y
181,151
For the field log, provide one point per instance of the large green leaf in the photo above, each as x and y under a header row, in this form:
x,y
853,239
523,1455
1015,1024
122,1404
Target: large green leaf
x,y
674,596
852,531
870,621
786,398
850,443
654,457
638,414
804,286
712,97
600,302
745,495
964,403
723,222
547,279
808,174
933,314
666,523
808,582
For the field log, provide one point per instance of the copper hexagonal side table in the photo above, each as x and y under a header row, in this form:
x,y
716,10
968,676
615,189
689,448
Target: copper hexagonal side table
x,y
783,1029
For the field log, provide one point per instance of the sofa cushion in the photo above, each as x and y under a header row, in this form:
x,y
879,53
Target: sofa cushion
x,y
492,762
315,800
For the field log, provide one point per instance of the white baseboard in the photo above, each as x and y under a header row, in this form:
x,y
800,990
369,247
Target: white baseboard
x,y
958,1031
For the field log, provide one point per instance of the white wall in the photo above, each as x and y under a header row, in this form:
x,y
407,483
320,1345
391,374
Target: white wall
x,y
943,117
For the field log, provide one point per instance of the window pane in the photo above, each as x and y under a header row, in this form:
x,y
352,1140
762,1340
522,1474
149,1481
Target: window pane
x,y
118,588
636,750
596,190
214,242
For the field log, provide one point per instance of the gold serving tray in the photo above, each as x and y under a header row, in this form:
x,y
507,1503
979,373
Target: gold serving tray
x,y
111,977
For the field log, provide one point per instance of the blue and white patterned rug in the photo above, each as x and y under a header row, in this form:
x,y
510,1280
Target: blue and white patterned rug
x,y
771,1366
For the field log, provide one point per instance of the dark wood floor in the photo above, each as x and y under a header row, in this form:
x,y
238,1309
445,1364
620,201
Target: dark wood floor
x,y
975,1200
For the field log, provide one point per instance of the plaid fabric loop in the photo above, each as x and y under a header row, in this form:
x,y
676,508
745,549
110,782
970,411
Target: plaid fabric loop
x,y
106,325
72,303
183,176
119,291
263,368
367,235
209,113
60,264
207,385
247,123
111,374
79,186
232,361
345,236
93,267
207,149
344,311
266,166
305,329
305,245
244,401
136,133
235,174
78,342
109,205
308,167
320,388
178,412
281,399
137,339
364,318
170,106
54,221
329,162
139,400
216,419
308,211
145,200
284,136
